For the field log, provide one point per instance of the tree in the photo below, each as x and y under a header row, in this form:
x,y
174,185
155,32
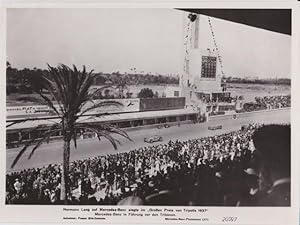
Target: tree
x,y
34,79
12,76
129,94
121,86
70,89
146,93
100,79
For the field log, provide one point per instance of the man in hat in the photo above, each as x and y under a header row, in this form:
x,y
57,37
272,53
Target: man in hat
x,y
273,161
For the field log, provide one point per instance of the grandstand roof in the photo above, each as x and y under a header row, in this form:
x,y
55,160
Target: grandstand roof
x,y
276,20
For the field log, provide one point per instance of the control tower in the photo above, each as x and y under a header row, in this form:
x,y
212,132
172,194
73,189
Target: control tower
x,y
201,76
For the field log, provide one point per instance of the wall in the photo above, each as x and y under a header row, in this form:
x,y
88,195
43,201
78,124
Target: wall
x,y
169,91
154,104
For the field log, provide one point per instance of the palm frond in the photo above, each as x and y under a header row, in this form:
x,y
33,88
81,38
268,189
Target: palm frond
x,y
110,129
57,83
85,80
107,135
118,131
45,137
21,152
86,84
39,143
51,87
47,134
89,117
30,131
16,122
113,141
99,105
99,90
105,131
50,104
102,133
45,101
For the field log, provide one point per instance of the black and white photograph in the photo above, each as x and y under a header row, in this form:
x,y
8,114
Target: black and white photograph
x,y
148,107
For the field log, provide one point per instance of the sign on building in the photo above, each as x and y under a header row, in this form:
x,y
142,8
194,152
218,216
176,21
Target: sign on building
x,y
126,105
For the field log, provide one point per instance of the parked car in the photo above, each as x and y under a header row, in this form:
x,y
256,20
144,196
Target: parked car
x,y
153,139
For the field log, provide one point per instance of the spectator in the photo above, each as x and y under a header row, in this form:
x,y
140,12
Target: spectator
x,y
273,149
18,186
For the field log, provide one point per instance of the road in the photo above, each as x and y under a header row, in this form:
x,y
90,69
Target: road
x,y
52,153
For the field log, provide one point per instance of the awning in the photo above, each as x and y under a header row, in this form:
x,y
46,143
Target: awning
x,y
106,118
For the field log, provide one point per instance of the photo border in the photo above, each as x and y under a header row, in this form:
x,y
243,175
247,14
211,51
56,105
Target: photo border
x,y
246,215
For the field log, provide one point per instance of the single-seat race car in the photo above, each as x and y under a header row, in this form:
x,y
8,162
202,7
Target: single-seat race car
x,y
153,139
218,127
163,125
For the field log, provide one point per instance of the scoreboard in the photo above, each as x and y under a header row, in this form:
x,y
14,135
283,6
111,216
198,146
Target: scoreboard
x,y
209,66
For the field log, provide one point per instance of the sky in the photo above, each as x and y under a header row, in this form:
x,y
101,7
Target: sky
x,y
150,40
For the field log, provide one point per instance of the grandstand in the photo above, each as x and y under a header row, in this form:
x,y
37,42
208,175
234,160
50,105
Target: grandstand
x,y
142,113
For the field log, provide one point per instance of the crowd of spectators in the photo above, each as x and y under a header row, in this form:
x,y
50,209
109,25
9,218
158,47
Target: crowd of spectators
x,y
268,102
215,101
205,171
259,103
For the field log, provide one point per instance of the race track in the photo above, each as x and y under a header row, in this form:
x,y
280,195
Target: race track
x,y
52,153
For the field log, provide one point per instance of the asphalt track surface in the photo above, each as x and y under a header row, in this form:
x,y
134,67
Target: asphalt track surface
x,y
87,148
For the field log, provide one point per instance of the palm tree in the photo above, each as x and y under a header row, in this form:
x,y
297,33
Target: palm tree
x,y
70,90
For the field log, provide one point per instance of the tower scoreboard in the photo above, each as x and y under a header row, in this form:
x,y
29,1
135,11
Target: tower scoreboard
x,y
209,65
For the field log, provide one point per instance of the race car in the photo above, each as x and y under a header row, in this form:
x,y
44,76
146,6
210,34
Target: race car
x,y
163,125
218,127
152,139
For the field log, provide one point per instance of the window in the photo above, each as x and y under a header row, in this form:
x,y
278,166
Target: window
x,y
124,124
176,93
182,118
150,121
172,119
192,117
